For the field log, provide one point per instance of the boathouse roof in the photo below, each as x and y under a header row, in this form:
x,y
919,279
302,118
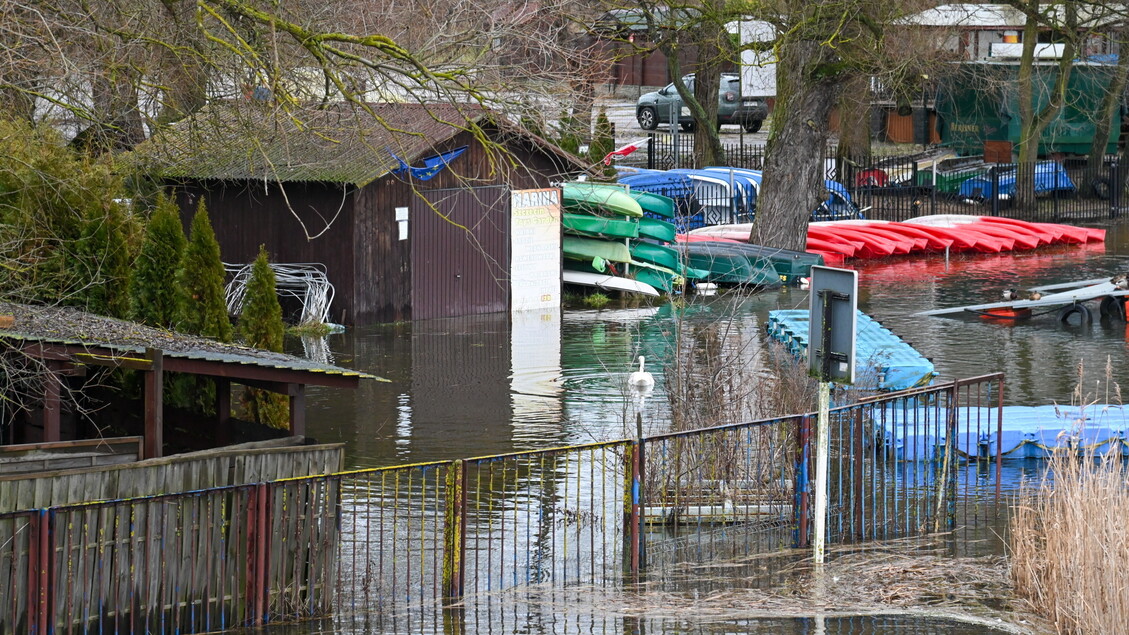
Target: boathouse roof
x,y
82,336
343,143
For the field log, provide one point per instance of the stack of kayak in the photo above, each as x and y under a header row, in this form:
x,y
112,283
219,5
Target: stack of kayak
x,y
619,238
938,233
607,236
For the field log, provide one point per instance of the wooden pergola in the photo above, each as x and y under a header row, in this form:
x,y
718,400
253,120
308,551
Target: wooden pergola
x,y
66,342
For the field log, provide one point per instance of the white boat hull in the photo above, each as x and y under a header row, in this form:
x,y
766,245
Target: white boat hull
x,y
607,283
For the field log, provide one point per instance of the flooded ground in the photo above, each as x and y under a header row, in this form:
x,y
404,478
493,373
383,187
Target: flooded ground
x,y
481,386
478,386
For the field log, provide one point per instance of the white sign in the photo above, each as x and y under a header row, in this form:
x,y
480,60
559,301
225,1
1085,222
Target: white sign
x,y
535,249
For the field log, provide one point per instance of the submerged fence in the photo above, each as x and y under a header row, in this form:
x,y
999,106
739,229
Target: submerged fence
x,y
366,543
917,184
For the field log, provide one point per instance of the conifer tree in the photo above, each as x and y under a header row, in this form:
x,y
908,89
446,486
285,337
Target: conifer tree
x,y
260,324
102,261
202,279
603,142
155,298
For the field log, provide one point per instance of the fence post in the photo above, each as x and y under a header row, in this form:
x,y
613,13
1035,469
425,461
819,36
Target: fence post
x,y
39,572
995,194
258,534
857,449
454,533
636,550
651,151
1114,190
948,460
801,506
999,436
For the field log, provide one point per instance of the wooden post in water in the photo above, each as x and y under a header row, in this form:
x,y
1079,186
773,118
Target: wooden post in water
x,y
803,483
454,533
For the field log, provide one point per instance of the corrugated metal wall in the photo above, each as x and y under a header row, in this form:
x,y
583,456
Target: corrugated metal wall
x,y
245,215
460,252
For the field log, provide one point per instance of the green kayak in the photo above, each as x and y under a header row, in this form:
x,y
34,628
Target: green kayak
x,y
655,203
790,265
660,278
588,225
599,199
578,248
657,229
730,268
656,255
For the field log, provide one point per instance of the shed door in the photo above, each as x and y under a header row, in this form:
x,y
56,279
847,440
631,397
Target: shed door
x,y
460,252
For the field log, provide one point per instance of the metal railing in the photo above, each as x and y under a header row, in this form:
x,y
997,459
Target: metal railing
x,y
911,184
373,542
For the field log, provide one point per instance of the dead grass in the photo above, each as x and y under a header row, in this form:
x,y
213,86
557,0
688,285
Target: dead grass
x,y
913,576
1070,536
1070,544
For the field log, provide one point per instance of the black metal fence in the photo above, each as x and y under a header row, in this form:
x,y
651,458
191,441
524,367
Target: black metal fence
x,y
923,183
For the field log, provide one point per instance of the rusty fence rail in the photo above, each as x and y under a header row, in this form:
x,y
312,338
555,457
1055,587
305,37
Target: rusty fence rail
x,y
372,542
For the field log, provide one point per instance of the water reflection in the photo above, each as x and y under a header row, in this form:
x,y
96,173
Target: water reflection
x,y
481,385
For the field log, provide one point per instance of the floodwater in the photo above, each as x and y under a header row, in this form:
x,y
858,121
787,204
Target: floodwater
x,y
479,385
485,385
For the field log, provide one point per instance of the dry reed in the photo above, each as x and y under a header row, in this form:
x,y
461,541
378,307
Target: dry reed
x,y
1070,541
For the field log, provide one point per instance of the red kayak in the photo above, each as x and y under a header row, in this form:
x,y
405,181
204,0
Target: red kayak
x,y
1018,239
932,241
959,242
873,246
855,245
1070,234
919,243
1095,234
830,258
986,242
842,249
1045,235
1023,238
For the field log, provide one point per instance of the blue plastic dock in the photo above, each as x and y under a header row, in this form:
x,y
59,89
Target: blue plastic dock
x,y
884,359
1029,432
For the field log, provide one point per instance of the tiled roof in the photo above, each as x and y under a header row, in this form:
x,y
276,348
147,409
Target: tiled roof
x,y
339,143
68,326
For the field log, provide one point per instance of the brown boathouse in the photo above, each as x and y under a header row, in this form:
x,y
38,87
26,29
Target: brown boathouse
x,y
335,186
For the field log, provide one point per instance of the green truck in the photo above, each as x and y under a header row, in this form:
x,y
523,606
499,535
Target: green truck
x,y
979,102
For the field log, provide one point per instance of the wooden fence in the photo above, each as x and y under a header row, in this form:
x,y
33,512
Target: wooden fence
x,y
232,465
62,455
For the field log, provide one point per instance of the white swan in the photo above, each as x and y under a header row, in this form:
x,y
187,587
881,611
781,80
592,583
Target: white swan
x,y
641,379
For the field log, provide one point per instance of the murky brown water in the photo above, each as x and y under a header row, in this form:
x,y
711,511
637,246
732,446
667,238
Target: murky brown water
x,y
476,386
480,386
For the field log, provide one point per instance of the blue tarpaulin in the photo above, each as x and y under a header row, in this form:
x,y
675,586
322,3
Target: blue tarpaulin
x,y
431,165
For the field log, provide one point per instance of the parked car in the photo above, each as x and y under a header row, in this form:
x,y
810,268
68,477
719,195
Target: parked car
x,y
1049,177
656,108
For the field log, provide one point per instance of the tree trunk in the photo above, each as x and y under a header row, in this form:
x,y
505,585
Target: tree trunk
x,y
807,87
853,151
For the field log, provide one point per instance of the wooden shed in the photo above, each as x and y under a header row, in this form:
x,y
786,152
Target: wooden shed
x,y
335,185
52,379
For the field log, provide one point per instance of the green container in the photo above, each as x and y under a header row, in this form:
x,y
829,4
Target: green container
x,y
980,102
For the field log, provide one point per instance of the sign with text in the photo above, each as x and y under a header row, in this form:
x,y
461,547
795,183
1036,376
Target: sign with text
x,y
535,250
833,323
